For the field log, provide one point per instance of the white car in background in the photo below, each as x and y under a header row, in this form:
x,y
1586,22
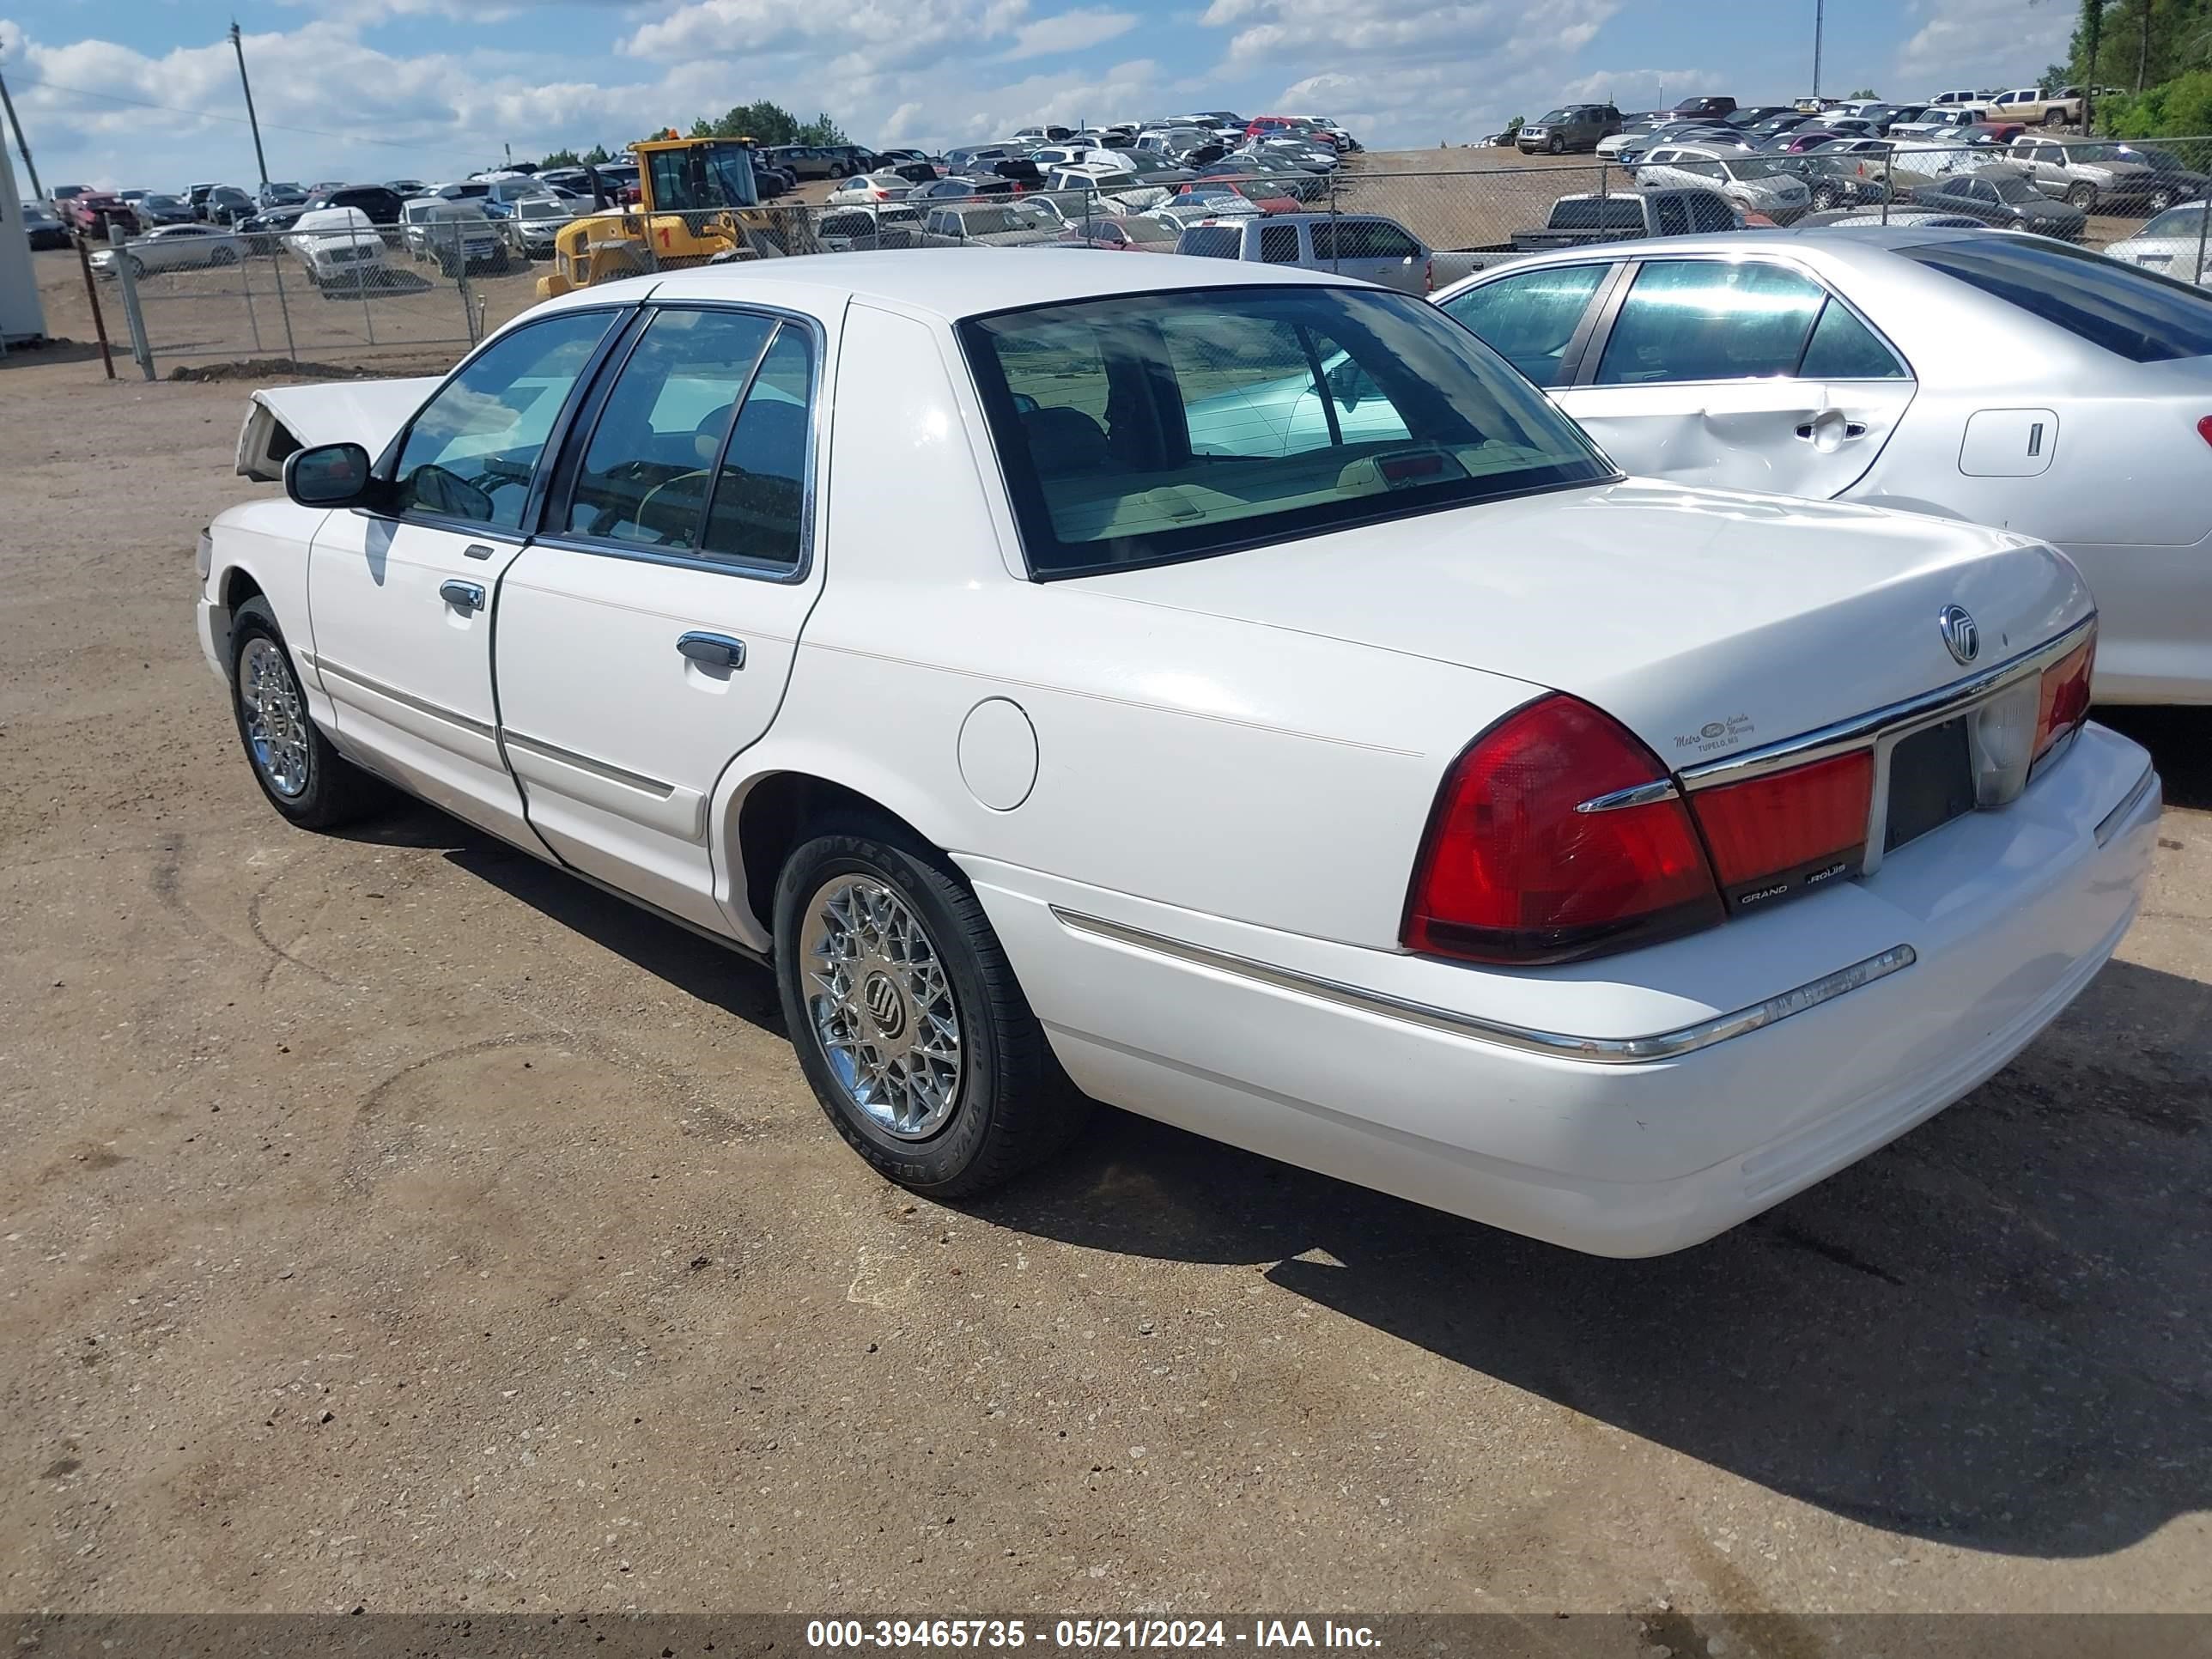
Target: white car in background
x,y
340,247
1751,184
1417,800
172,248
1983,376
2177,243
871,189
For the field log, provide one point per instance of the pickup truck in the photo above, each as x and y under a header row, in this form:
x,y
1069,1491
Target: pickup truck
x,y
1575,220
2034,107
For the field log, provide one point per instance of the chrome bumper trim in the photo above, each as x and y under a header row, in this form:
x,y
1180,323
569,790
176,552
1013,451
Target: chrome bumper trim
x,y
422,706
2123,815
597,769
1856,733
1601,1051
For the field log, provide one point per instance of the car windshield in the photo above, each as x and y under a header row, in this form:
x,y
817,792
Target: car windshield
x,y
2096,152
2132,312
164,203
1152,232
1556,115
2184,220
1144,428
1742,170
541,207
2011,187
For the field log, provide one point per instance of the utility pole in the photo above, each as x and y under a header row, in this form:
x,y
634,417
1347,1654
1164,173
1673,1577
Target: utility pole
x,y
38,191
1820,17
238,44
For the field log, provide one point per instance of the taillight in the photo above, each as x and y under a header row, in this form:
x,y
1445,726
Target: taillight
x,y
2204,429
1513,870
1773,835
2065,701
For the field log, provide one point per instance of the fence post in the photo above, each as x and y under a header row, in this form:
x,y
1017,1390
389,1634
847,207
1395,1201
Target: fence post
x,y
360,281
284,306
461,283
245,286
1334,258
1888,181
141,351
2203,225
1602,171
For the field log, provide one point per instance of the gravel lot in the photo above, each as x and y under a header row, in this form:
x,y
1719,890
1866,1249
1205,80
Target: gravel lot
x,y
387,1220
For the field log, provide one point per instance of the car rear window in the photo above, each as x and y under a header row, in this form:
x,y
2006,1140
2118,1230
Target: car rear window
x,y
2131,312
1149,427
1211,242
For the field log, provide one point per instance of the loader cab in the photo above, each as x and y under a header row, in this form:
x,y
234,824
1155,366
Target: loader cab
x,y
696,175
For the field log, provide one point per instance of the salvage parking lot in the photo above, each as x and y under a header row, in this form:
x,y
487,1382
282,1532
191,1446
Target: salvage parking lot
x,y
393,1222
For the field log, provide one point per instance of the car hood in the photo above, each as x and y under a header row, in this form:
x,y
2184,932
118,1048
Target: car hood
x,y
280,419
1708,622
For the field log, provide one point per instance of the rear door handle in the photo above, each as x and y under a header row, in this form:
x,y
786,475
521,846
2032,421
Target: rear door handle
x,y
1810,430
462,595
713,650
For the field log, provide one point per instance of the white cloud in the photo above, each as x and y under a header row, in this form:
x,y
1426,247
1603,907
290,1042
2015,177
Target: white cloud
x,y
1070,31
2003,40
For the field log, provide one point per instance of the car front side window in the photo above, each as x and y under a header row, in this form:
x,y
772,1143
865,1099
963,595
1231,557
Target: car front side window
x,y
472,452
1529,319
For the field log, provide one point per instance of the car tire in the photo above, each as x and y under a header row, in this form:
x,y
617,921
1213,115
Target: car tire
x,y
2083,197
136,265
2054,117
222,256
2161,199
918,946
1823,199
1558,145
304,777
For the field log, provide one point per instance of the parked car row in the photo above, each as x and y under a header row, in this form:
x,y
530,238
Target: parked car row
x,y
1634,818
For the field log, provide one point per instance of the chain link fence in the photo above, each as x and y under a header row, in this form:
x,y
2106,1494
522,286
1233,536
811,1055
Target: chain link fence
x,y
365,295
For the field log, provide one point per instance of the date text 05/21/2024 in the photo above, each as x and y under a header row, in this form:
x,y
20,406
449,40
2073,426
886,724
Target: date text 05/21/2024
x,y
1083,1634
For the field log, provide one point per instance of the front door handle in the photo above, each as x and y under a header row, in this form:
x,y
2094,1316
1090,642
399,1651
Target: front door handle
x,y
462,595
713,650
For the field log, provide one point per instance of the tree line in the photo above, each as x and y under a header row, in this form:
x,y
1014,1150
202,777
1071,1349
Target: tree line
x,y
2158,52
762,122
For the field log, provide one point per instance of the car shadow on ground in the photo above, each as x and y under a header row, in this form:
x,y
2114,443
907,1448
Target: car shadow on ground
x,y
2181,741
1992,1333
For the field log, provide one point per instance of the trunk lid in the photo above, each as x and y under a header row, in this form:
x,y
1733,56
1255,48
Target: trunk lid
x,y
1709,622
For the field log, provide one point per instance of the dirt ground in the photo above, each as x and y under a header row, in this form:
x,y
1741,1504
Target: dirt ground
x,y
388,1220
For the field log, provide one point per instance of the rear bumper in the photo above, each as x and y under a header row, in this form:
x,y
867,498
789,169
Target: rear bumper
x,y
2007,916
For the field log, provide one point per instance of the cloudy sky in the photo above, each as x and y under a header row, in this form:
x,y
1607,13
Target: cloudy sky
x,y
123,93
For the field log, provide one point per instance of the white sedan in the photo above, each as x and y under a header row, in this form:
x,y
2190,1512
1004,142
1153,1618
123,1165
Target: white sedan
x,y
2177,243
2001,379
174,248
1418,801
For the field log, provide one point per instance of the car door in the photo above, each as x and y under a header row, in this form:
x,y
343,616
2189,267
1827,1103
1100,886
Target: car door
x,y
1739,373
399,602
646,636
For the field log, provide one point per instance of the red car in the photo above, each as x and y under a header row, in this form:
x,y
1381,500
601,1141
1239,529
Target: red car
x,y
91,214
1296,126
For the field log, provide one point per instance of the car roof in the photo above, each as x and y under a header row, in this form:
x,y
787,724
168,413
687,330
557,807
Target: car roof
x,y
953,282
1860,247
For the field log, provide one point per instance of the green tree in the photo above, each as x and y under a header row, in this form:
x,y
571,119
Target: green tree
x,y
1864,92
597,155
560,158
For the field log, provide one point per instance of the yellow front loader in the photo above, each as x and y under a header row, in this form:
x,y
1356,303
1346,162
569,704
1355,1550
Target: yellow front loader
x,y
698,204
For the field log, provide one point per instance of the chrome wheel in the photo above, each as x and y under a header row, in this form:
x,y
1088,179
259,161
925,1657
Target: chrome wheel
x,y
881,1006
275,716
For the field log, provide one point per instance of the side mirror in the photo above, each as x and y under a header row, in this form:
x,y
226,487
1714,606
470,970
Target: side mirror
x,y
1346,384
327,475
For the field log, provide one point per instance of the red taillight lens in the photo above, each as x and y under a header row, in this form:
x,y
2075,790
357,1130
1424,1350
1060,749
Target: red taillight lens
x,y
1771,836
1511,871
2065,702
2204,429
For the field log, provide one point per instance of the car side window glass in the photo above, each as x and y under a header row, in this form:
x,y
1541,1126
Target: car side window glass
x,y
757,513
1673,218
1707,212
1261,396
1710,319
471,452
645,474
1844,348
1529,319
1278,244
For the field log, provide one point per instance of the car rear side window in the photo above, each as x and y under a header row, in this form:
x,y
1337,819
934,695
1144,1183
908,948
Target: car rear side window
x,y
1211,241
1844,348
1278,244
1530,319
1147,427
1710,319
2129,312
472,452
